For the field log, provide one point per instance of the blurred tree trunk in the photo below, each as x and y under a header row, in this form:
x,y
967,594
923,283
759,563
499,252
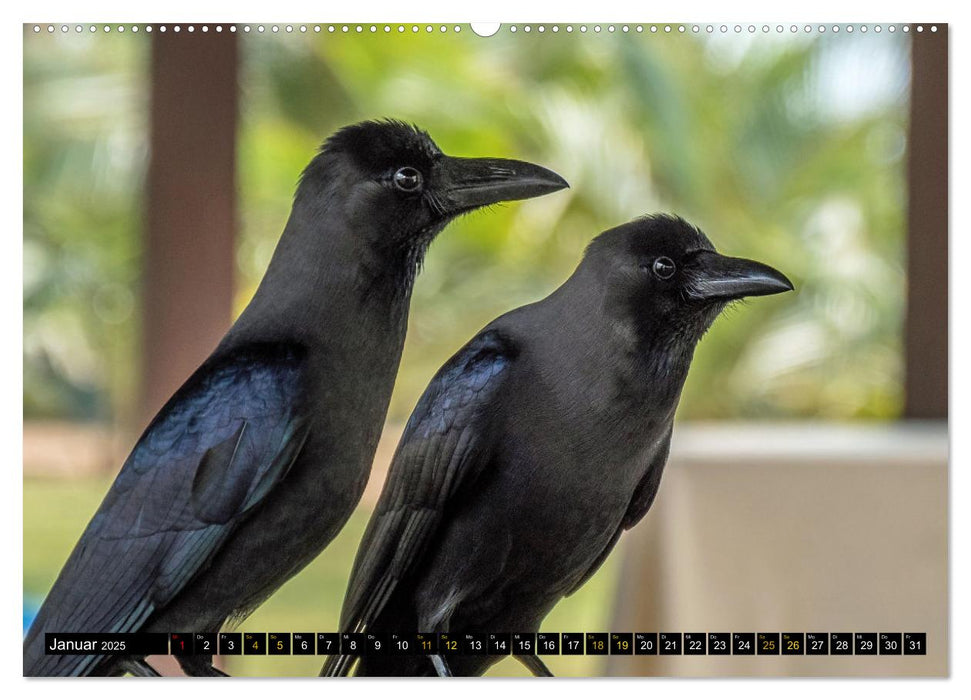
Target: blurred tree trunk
x,y
191,206
926,331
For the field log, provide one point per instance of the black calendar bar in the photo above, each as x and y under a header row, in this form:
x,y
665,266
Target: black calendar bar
x,y
597,643
767,643
669,643
865,643
841,643
571,643
204,643
695,644
743,643
499,644
548,643
524,643
891,644
793,643
764,644
230,643
254,643
403,644
645,643
328,643
915,643
817,644
719,643
621,643
278,643
181,644
304,643
475,644
353,644
450,644
73,644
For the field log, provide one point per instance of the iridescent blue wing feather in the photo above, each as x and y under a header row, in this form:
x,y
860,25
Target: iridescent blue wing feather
x,y
212,454
443,448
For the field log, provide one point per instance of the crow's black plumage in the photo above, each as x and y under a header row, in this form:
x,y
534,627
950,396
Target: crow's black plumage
x,y
255,464
538,444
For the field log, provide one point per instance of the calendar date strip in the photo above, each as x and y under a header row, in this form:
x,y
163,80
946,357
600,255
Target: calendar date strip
x,y
495,644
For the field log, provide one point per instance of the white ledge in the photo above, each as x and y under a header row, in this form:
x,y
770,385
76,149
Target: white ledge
x,y
918,442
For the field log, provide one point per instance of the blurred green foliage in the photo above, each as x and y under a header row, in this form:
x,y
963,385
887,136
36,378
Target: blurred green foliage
x,y
85,122
786,149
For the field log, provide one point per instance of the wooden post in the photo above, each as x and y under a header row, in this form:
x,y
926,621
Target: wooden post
x,y
189,249
925,342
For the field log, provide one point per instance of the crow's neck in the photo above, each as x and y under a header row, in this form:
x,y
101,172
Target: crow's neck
x,y
646,350
326,281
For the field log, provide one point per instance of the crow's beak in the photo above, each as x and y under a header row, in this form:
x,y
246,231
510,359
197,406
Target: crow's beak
x,y
715,276
476,182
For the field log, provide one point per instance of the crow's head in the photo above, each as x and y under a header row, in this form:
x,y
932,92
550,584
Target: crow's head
x,y
391,183
664,274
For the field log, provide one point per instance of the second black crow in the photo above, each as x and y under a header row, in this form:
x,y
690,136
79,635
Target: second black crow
x,y
537,445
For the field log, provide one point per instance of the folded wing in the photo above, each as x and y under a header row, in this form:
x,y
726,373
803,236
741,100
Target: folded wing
x,y
212,454
444,447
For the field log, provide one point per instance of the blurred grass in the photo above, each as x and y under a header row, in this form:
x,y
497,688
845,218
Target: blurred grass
x,y
57,510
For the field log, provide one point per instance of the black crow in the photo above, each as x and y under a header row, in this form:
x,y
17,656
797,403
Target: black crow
x,y
255,464
537,445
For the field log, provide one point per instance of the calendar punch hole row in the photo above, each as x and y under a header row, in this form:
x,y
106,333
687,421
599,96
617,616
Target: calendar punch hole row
x,y
540,643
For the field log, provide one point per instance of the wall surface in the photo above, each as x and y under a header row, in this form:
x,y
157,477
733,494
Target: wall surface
x,y
808,528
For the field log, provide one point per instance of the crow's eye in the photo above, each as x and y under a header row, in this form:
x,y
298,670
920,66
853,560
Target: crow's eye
x,y
663,267
407,180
